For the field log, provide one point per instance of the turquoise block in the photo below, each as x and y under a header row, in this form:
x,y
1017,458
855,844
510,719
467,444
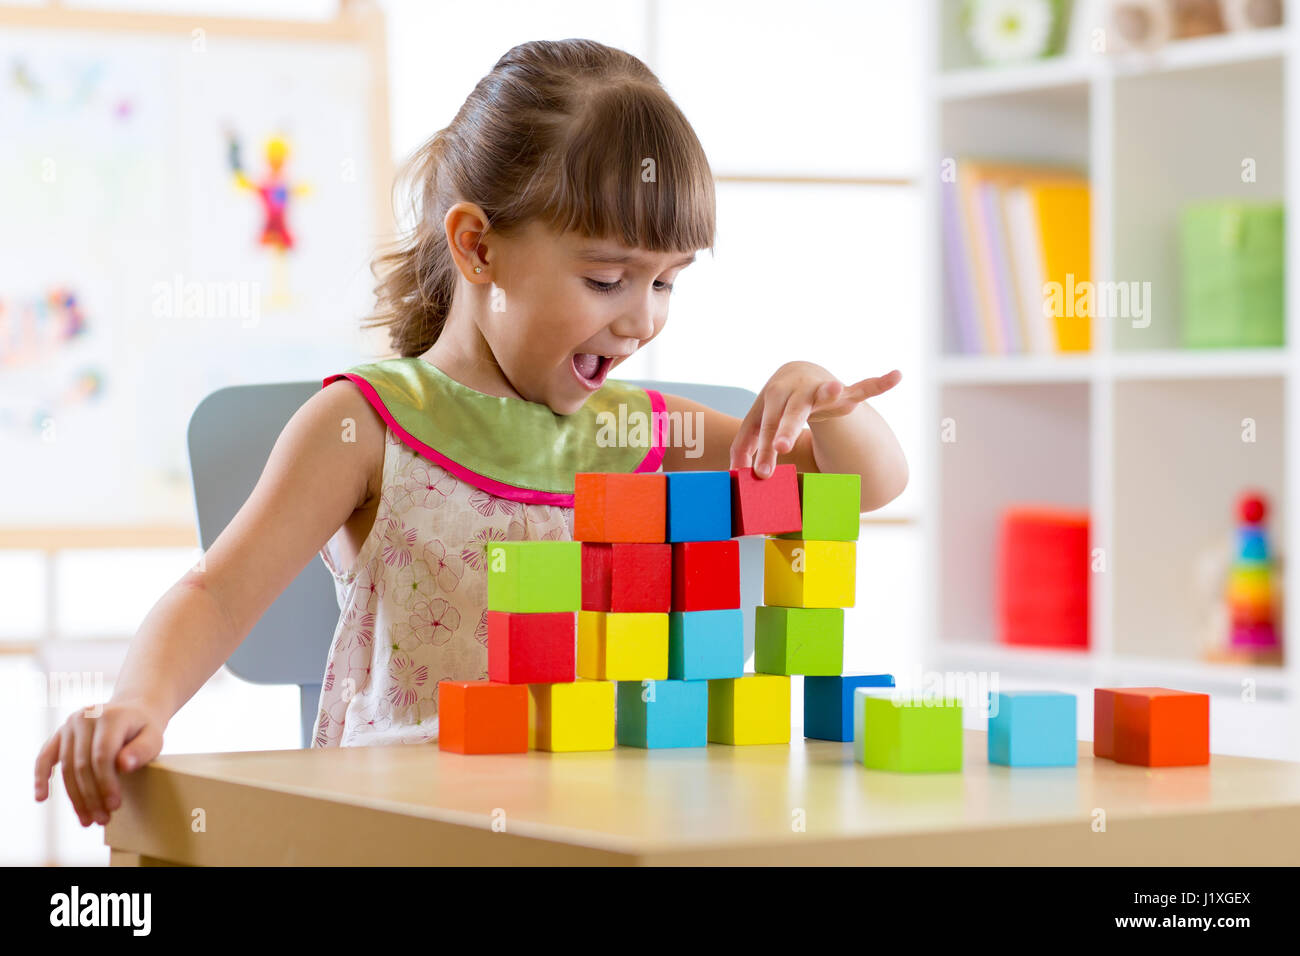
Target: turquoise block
x,y
662,713
699,506
1033,728
706,645
828,703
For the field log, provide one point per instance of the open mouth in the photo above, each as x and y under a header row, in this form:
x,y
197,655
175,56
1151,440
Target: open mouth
x,y
591,369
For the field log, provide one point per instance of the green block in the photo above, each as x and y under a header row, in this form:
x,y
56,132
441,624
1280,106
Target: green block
x,y
912,736
799,640
534,576
831,507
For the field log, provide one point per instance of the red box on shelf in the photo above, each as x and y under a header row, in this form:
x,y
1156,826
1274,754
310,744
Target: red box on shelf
x,y
1043,577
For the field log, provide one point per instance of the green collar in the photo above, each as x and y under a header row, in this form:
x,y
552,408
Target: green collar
x,y
510,447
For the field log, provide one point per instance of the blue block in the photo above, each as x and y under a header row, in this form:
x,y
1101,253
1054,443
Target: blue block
x,y
1033,728
706,645
828,703
699,506
676,715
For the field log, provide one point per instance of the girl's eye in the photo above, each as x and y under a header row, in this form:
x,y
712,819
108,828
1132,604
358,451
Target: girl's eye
x,y
605,287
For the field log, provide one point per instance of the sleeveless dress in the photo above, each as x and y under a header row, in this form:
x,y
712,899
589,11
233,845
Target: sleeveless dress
x,y
462,470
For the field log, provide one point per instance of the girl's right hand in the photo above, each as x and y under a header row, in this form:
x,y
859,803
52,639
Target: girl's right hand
x,y
94,750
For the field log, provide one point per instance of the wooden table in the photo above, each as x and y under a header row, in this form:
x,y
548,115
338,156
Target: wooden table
x,y
806,803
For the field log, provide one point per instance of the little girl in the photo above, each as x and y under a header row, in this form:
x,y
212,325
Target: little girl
x,y
552,216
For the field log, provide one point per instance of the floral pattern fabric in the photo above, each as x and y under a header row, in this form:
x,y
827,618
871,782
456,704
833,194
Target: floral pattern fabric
x,y
413,606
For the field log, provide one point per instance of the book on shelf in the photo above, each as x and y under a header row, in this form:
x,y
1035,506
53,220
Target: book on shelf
x,y
1016,246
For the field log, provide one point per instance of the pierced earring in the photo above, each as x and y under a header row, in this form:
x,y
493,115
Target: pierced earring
x,y
478,269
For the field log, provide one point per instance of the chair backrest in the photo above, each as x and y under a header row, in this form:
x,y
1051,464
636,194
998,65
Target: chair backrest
x,y
231,434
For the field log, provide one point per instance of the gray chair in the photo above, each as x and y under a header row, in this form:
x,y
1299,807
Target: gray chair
x,y
230,437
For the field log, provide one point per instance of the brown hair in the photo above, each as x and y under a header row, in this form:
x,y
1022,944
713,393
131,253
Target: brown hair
x,y
558,131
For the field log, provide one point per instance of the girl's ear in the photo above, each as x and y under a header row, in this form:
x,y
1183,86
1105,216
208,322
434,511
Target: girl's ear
x,y
466,225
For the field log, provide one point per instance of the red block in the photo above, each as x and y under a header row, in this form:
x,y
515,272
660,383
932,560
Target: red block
x,y
765,505
619,507
535,648
482,717
627,577
1151,726
1043,577
1157,727
706,575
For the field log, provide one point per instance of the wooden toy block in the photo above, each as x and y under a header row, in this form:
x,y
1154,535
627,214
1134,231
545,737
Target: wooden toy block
x,y
1103,717
798,640
828,703
830,506
805,573
619,507
706,575
1032,729
663,713
534,577
1153,726
618,645
573,716
765,505
706,645
627,577
530,648
699,506
906,735
482,717
753,709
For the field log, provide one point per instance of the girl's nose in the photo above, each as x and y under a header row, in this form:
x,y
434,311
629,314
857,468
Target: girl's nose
x,y
637,323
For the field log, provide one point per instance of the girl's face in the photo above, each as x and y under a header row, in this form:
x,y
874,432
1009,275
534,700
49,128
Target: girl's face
x,y
565,310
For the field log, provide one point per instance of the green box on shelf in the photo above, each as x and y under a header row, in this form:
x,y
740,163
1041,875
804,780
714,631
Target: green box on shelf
x,y
534,577
831,506
1233,274
799,640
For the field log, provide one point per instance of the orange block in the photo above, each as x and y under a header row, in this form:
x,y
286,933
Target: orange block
x,y
482,717
619,507
1151,726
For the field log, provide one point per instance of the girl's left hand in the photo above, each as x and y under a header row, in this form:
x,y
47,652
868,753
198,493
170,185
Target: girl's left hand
x,y
799,392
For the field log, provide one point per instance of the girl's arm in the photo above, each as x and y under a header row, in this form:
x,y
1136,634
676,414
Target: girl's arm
x,y
844,434
313,481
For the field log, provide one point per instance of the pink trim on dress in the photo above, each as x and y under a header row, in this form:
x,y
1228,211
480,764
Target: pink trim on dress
x,y
510,492
659,424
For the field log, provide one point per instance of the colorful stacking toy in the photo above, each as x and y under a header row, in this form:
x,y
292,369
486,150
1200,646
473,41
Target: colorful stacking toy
x,y
1251,594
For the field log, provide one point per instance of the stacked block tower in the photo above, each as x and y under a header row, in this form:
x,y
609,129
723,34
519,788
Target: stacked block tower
x,y
633,589
531,698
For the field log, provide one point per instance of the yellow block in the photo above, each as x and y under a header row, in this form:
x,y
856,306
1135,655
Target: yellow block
x,y
754,709
623,645
802,573
572,716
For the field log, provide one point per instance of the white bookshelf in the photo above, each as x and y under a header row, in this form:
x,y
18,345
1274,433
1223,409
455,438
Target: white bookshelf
x,y
1143,435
